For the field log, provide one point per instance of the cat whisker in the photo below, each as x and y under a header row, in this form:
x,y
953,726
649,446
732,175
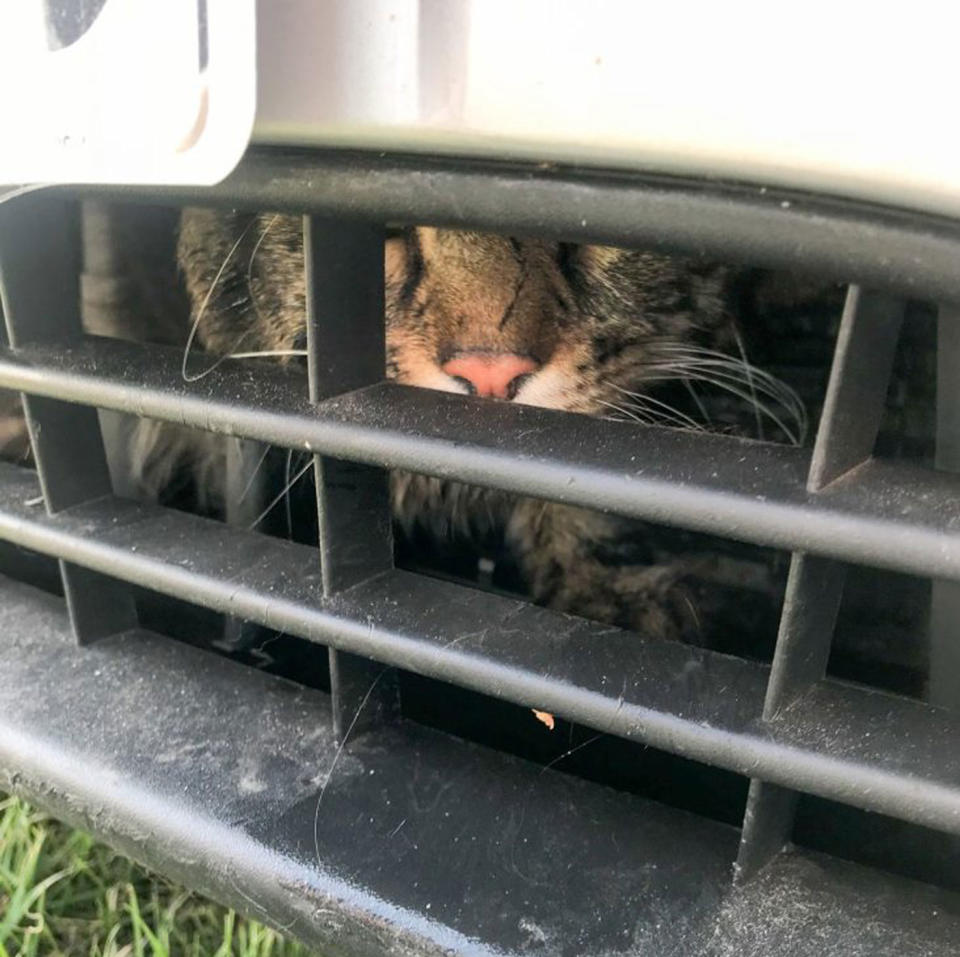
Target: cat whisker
x,y
647,415
696,398
288,509
665,417
746,369
253,474
630,414
286,491
698,372
288,505
741,368
670,411
727,372
252,299
795,437
266,354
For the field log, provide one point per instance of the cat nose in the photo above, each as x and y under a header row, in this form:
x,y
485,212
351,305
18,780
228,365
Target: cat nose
x,y
495,376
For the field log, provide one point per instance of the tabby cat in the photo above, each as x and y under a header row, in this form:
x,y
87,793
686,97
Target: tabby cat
x,y
581,328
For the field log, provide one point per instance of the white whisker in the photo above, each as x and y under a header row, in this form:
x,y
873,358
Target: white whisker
x,y
736,376
634,416
763,381
740,368
742,372
761,406
253,474
696,398
753,391
287,472
665,417
669,411
286,491
266,354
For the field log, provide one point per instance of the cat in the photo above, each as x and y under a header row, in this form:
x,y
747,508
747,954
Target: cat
x,y
588,329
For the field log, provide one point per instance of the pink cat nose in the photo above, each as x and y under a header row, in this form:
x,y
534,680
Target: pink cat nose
x,y
496,376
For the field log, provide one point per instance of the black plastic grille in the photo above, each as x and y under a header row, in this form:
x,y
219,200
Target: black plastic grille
x,y
786,726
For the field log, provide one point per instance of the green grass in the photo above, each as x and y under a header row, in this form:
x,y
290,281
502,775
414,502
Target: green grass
x,y
61,892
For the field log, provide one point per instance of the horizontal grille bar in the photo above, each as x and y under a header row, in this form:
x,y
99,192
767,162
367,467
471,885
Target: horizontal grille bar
x,y
882,514
850,241
840,742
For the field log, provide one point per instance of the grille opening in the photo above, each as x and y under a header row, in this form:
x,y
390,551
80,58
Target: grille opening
x,y
740,590
265,649
579,751
31,568
908,430
881,637
876,840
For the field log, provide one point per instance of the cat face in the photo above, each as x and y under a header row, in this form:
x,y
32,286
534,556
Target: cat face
x,y
577,328
540,323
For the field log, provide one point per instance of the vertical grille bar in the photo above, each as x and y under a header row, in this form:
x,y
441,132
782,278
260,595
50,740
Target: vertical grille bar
x,y
944,688
857,391
346,350
852,412
39,285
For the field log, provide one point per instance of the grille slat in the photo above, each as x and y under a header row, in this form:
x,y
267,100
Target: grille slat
x,y
857,390
884,513
850,241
